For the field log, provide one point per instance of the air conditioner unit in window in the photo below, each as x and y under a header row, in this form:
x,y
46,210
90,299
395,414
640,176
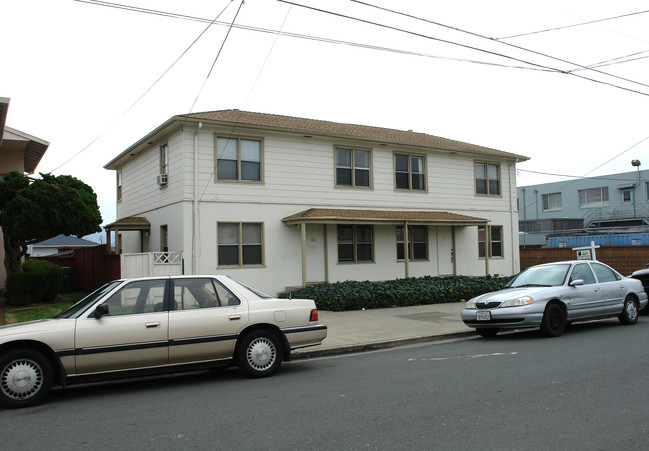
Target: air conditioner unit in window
x,y
161,179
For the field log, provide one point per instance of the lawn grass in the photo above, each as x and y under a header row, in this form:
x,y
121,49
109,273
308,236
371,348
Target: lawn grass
x,y
41,311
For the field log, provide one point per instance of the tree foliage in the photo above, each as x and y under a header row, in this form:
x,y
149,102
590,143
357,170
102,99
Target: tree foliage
x,y
33,211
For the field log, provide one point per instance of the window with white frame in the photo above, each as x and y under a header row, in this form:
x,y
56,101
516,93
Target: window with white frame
x,y
417,243
551,201
164,159
410,172
593,197
164,238
353,167
490,238
355,243
119,185
239,159
240,244
627,195
487,178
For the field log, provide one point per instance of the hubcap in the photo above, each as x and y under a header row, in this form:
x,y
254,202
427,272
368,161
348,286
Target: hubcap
x,y
261,354
21,379
631,310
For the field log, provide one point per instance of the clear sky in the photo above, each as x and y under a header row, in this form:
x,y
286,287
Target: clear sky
x,y
92,79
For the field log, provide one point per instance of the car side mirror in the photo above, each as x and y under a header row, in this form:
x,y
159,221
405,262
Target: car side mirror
x,y
101,310
577,282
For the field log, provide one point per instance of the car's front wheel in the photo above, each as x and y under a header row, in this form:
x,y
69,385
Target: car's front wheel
x,y
259,354
554,321
487,332
25,378
629,313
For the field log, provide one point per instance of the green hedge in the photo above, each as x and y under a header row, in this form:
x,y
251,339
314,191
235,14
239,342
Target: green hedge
x,y
351,295
39,281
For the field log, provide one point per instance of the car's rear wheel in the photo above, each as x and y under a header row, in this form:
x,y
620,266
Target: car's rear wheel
x,y
25,378
259,354
629,313
554,321
487,332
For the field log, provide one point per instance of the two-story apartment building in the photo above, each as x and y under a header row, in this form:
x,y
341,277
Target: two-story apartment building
x,y
604,205
280,201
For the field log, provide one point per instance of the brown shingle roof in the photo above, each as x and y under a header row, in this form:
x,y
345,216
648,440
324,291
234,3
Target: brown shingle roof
x,y
332,215
335,129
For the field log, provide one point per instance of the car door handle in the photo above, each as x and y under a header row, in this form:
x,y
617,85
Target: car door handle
x,y
234,317
152,325
596,290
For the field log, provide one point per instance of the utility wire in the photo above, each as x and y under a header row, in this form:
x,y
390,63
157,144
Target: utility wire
x,y
574,25
145,92
217,56
517,47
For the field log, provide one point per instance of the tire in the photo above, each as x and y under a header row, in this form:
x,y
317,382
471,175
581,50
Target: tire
x,y
487,332
25,378
259,354
630,312
554,321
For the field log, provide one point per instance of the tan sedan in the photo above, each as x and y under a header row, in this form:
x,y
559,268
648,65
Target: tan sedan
x,y
158,324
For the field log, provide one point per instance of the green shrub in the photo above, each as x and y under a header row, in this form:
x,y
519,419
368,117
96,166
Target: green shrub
x,y
352,295
39,281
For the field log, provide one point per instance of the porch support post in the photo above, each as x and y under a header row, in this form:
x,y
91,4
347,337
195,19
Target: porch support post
x,y
303,234
454,250
326,253
108,245
406,249
487,250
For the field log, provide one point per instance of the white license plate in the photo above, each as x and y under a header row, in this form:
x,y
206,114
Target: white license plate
x,y
483,316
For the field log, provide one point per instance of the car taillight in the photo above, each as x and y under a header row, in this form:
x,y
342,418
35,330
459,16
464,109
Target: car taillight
x,y
314,315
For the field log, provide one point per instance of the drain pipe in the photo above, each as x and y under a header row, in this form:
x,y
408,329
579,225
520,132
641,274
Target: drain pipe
x,y
195,204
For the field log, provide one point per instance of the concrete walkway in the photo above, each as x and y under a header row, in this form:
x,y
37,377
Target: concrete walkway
x,y
361,330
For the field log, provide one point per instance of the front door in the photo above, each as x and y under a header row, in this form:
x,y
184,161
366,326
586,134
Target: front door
x,y
585,300
132,335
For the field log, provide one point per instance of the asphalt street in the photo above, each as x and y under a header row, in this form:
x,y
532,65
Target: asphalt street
x,y
584,390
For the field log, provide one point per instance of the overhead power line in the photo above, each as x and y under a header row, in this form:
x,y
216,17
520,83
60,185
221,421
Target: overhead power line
x,y
573,25
517,47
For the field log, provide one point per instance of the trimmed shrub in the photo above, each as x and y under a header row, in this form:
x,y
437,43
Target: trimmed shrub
x,y
352,295
39,281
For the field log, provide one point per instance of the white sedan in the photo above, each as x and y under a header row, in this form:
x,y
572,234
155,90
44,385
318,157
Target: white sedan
x,y
552,295
156,324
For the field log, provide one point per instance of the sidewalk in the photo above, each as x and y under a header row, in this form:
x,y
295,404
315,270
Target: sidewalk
x,y
361,330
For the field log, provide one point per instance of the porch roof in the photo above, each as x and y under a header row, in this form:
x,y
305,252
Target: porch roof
x,y
337,216
130,223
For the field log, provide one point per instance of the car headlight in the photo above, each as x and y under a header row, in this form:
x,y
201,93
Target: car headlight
x,y
470,305
525,300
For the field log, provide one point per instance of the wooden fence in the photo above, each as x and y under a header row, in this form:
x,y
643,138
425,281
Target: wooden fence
x,y
625,259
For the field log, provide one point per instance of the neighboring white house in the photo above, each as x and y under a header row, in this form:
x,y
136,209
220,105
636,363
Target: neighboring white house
x,y
279,202
57,244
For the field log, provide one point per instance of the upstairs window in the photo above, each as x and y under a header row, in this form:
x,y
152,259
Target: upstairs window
x,y
593,197
164,159
410,172
487,179
551,201
353,167
119,185
238,159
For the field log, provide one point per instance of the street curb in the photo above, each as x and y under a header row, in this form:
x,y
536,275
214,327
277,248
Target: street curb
x,y
308,354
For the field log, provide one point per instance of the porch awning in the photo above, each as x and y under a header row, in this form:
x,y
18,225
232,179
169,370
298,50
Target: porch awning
x,y
130,223
338,216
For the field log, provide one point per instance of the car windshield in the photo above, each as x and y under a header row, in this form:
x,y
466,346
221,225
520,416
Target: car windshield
x,y
78,308
540,276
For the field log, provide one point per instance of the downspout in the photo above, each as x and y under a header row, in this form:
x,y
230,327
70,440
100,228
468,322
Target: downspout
x,y
195,204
